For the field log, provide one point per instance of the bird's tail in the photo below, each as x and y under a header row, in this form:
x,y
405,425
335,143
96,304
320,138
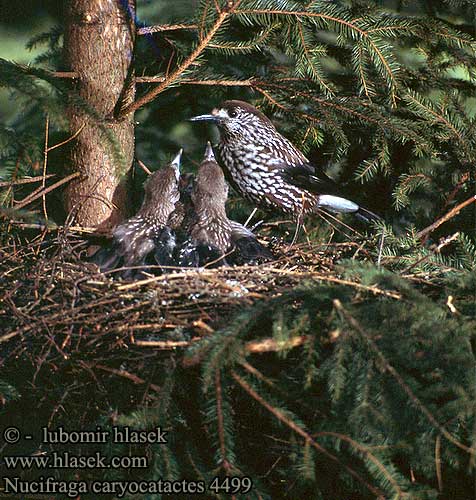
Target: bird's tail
x,y
338,204
366,215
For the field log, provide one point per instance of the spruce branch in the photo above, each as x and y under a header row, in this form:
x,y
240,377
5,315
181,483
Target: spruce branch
x,y
439,475
385,366
183,67
278,414
365,451
422,106
221,427
352,25
148,30
309,63
452,213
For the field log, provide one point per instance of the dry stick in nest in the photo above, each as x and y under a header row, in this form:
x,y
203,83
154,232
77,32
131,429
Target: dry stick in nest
x,y
385,366
271,271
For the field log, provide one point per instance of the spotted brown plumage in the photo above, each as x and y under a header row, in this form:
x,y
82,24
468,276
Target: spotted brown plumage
x,y
268,170
146,234
211,237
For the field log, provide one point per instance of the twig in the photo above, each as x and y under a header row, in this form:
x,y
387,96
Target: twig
x,y
454,211
385,366
122,373
252,214
45,162
64,74
270,344
276,388
47,190
301,432
332,279
29,180
147,30
434,248
164,344
149,96
69,139
461,182
221,427
144,167
439,476
201,325
365,450
222,83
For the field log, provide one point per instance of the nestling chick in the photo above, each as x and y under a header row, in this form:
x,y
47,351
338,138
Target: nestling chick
x,y
208,228
146,234
211,233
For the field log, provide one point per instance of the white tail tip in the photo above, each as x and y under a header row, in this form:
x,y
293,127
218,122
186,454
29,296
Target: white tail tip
x,y
337,204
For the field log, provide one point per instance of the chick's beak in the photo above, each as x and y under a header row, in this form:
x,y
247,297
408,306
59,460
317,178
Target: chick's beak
x,y
175,164
209,155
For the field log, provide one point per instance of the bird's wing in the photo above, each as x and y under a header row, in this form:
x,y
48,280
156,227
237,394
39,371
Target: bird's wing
x,y
248,250
195,254
309,177
313,179
108,257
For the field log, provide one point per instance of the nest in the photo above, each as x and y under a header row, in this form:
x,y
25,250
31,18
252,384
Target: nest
x,y
64,323
49,290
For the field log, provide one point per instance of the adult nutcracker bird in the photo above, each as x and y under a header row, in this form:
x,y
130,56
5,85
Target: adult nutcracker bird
x,y
146,238
211,237
268,170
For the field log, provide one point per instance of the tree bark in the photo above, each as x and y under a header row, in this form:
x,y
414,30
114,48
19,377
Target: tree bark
x,y
99,46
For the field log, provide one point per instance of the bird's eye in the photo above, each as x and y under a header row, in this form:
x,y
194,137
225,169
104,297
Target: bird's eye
x,y
232,113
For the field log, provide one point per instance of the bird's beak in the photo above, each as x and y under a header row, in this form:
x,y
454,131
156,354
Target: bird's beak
x,y
205,118
209,155
175,164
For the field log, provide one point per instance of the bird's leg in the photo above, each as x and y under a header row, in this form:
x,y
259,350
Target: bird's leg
x,y
307,235
299,222
296,232
380,248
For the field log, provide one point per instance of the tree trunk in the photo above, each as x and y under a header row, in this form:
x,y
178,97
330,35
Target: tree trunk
x,y
99,45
